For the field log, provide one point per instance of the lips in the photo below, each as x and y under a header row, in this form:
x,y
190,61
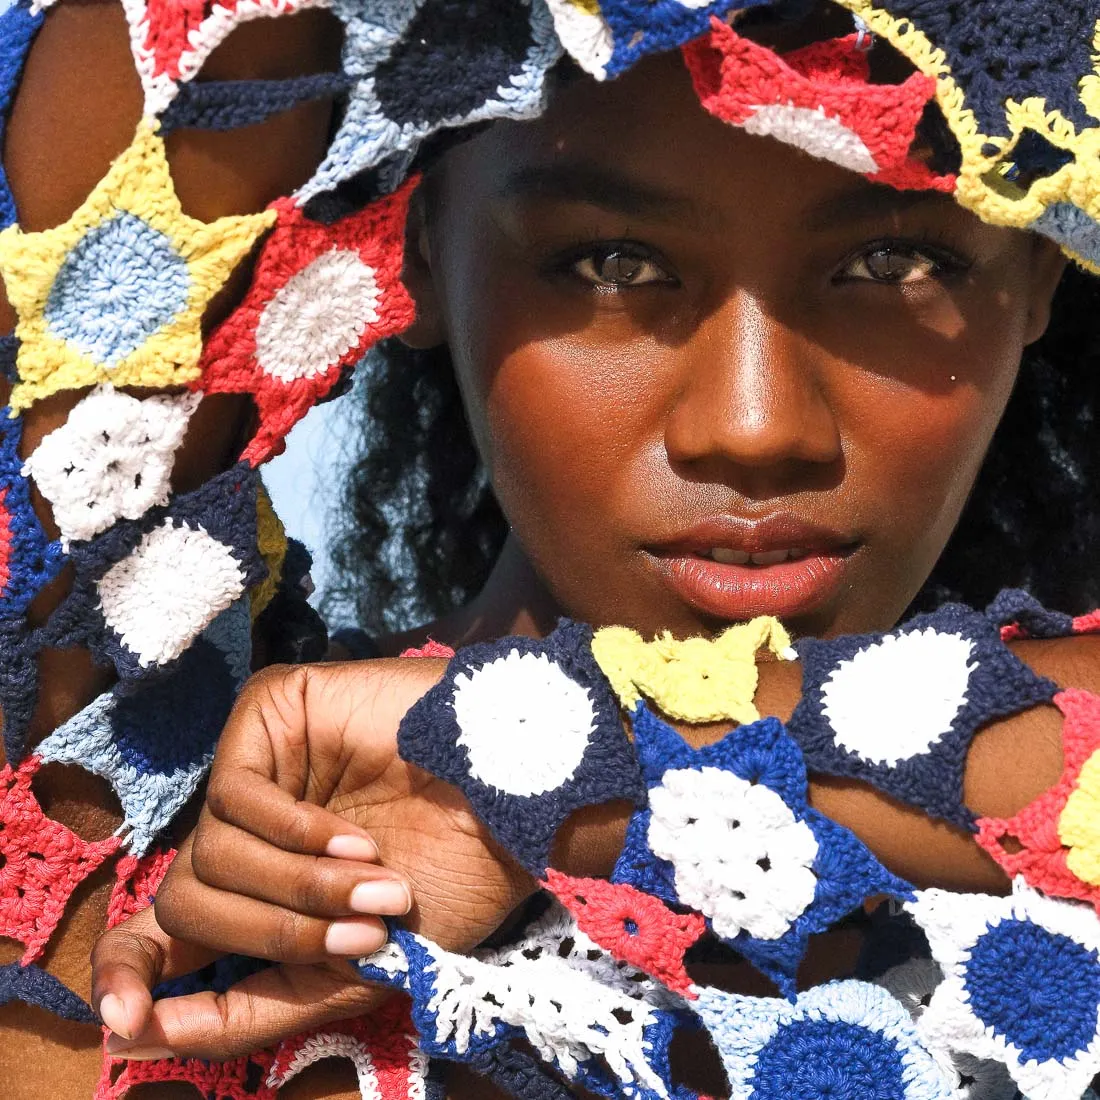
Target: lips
x,y
736,569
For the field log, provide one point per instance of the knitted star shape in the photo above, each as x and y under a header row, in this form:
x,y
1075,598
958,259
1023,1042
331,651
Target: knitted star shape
x,y
820,99
154,743
842,1039
321,295
18,26
696,679
117,293
1054,841
529,731
899,710
43,862
1021,985
729,832
171,39
144,590
423,66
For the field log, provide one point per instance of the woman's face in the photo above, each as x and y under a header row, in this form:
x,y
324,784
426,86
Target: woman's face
x,y
712,377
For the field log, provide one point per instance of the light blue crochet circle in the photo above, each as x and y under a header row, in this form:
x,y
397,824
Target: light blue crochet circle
x,y
1070,227
818,1059
1040,990
122,282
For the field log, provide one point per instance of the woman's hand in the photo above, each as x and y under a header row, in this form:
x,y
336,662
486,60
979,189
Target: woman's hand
x,y
307,793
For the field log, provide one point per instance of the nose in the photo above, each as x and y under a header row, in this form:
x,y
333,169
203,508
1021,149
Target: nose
x,y
751,397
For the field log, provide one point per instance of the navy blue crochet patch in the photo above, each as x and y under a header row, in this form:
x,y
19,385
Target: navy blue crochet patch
x,y
1015,607
529,731
33,986
729,832
145,589
216,977
1001,50
9,351
231,104
17,30
900,710
18,687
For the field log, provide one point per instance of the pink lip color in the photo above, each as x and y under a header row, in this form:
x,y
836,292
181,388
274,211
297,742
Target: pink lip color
x,y
740,592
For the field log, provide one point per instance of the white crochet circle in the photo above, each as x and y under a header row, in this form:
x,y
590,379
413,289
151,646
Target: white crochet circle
x,y
524,723
897,698
174,582
813,131
739,854
317,316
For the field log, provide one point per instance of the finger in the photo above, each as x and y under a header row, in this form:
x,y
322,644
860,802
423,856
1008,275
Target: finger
x,y
232,924
128,961
255,1013
230,859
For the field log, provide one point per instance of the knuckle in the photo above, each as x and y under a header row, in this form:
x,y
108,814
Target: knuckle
x,y
288,939
313,889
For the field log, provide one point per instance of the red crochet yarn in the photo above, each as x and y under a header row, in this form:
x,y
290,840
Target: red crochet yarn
x,y
241,1079
43,862
431,648
321,295
736,78
7,536
633,926
1087,624
136,884
1041,857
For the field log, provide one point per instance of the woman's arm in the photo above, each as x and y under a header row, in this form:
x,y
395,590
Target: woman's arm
x,y
265,811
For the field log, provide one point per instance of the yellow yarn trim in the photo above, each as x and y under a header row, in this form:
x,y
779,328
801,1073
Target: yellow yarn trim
x,y
271,542
1079,824
697,680
981,188
138,183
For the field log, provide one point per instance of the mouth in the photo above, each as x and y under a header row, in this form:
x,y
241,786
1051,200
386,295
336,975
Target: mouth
x,y
736,570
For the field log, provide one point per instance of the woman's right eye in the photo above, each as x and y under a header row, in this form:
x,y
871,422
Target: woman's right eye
x,y
617,267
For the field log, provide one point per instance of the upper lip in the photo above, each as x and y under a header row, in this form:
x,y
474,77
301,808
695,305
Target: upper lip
x,y
778,531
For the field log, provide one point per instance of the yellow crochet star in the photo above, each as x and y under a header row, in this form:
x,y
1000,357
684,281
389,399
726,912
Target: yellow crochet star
x,y
697,680
117,293
271,542
1079,824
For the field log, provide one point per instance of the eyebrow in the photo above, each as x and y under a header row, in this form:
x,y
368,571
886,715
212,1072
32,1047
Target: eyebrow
x,y
587,182
868,202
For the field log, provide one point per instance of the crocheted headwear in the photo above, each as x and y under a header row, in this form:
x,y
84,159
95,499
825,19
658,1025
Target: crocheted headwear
x,y
1000,108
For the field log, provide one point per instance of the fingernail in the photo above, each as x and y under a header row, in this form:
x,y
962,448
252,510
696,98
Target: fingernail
x,y
139,1053
386,897
112,1011
352,938
348,846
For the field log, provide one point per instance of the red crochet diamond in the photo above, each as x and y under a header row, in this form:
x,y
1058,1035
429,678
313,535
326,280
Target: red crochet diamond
x,y
321,295
737,80
241,1079
1039,854
633,926
136,884
43,862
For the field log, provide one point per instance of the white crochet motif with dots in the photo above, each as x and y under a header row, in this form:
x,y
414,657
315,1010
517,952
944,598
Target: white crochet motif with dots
x,y
168,589
739,854
111,459
317,316
898,697
524,723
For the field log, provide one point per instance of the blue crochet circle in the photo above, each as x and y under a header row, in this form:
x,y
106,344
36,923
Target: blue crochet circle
x,y
121,282
1038,989
828,1060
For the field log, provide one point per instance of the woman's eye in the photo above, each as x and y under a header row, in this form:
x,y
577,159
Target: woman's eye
x,y
618,266
898,265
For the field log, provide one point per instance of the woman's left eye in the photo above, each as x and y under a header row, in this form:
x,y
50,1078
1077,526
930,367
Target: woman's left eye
x,y
900,265
616,266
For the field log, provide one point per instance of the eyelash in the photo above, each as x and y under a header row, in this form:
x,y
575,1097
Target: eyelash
x,y
567,264
945,263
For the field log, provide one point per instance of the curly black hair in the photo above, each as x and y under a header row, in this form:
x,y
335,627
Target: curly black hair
x,y
420,527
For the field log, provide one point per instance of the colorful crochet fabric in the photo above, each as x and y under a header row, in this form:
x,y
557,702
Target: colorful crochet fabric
x,y
320,296
117,293
728,832
600,1024
1053,852
695,680
137,880
423,66
899,710
1021,985
530,732
43,862
238,1079
18,26
33,986
144,590
154,742
1020,615
844,1039
819,99
272,544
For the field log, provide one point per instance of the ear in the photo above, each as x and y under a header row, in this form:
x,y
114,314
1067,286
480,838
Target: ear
x,y
427,330
1047,263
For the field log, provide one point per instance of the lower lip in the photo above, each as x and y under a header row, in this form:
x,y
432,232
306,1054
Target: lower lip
x,y
740,592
